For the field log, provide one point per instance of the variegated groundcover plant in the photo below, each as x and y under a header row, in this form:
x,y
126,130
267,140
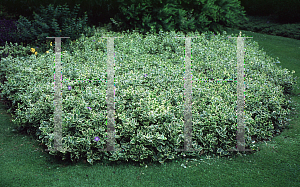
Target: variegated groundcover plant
x,y
149,97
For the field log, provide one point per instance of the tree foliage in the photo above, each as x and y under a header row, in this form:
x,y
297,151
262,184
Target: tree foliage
x,y
201,15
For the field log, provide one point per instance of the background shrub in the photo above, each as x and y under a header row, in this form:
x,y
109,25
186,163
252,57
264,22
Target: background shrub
x,y
52,22
94,8
174,15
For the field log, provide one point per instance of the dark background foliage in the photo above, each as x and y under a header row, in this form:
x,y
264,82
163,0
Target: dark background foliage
x,y
100,11
142,15
48,21
8,26
284,11
93,8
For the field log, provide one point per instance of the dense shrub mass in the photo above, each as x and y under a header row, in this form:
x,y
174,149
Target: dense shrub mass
x,y
149,103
